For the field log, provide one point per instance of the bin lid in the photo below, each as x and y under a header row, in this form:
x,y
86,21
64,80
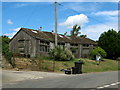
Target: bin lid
x,y
79,62
74,67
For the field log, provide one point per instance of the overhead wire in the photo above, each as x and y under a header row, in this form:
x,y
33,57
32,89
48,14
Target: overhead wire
x,y
30,16
79,13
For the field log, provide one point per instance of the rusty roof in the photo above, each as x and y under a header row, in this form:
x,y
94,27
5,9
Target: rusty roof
x,y
50,36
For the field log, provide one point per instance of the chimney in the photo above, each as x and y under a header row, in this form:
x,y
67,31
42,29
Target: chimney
x,y
52,31
40,28
76,34
65,33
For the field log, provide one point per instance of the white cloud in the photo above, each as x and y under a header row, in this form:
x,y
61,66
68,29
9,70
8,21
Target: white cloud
x,y
112,13
94,31
9,21
80,7
10,35
76,19
16,29
20,5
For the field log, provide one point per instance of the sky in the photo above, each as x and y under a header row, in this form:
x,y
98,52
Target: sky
x,y
93,17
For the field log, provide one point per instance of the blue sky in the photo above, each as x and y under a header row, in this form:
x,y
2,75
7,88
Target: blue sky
x,y
93,17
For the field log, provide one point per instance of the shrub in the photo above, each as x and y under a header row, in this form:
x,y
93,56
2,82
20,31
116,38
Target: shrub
x,y
65,64
5,50
118,59
61,54
73,49
97,51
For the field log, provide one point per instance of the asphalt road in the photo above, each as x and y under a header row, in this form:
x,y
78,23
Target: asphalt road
x,y
92,80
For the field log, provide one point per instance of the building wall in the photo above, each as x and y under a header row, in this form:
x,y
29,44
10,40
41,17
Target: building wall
x,y
52,45
85,53
43,48
24,44
67,45
79,54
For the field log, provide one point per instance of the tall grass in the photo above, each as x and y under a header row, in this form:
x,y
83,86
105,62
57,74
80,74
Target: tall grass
x,y
88,66
45,64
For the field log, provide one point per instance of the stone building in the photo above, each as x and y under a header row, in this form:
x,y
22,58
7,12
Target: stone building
x,y
33,43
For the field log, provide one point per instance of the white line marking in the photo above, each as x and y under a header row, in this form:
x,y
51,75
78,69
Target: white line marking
x,y
113,84
106,86
117,82
100,87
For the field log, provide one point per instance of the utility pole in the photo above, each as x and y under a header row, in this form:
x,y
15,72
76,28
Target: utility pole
x,y
55,32
56,24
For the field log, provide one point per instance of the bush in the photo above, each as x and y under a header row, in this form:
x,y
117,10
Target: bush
x,y
97,51
5,50
9,57
118,59
61,54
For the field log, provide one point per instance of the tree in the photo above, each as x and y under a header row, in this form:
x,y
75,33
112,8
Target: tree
x,y
110,42
5,50
5,44
98,51
75,30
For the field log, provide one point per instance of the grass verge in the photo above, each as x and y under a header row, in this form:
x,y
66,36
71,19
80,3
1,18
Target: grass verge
x,y
88,66
44,64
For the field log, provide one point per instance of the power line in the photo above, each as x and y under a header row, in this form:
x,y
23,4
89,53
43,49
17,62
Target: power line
x,y
30,16
79,13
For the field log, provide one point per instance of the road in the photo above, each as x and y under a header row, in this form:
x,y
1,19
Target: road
x,y
92,80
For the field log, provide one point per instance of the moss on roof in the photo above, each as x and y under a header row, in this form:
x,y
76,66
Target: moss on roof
x,y
49,36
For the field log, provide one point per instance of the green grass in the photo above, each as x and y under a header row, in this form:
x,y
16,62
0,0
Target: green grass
x,y
88,66
106,65
45,64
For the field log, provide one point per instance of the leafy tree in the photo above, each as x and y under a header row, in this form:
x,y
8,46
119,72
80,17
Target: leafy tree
x,y
110,42
5,44
61,54
5,50
98,51
75,30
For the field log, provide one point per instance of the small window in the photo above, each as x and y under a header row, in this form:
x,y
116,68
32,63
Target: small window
x,y
21,50
85,45
74,44
74,50
44,48
21,40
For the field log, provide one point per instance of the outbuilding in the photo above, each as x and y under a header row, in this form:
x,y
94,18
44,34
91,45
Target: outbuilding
x,y
33,43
